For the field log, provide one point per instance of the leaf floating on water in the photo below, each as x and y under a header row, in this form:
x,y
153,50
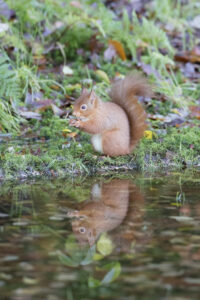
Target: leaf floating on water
x,y
67,260
89,257
182,218
98,256
31,281
93,283
112,274
2,215
10,258
104,244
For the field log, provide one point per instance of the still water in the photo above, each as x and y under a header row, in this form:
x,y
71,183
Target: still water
x,y
133,237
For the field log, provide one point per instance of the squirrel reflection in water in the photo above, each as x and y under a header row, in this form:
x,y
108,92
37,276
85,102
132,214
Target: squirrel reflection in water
x,y
111,204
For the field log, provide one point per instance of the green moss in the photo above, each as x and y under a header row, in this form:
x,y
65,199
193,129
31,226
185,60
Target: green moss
x,y
60,156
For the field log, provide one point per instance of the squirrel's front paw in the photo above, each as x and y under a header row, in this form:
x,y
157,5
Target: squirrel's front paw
x,y
75,123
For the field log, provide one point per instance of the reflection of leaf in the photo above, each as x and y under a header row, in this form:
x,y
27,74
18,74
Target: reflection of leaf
x,y
89,257
92,282
98,256
104,244
119,49
112,274
67,260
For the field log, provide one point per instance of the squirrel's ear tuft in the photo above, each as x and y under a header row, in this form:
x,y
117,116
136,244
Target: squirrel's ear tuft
x,y
93,97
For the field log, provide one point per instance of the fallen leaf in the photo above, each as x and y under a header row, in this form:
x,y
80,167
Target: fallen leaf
x,y
42,105
147,68
103,75
30,115
72,87
57,111
196,22
188,56
148,134
195,111
119,48
110,53
68,133
67,70
3,27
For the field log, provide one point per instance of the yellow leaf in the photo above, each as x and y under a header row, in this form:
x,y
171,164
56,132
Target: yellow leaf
x,y
72,87
104,244
98,256
72,134
66,130
148,134
118,48
103,75
175,111
68,133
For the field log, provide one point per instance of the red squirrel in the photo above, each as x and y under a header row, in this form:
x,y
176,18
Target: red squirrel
x,y
112,203
105,211
116,126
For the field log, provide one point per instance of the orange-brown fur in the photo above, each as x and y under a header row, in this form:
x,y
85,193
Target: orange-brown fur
x,y
119,123
117,201
103,213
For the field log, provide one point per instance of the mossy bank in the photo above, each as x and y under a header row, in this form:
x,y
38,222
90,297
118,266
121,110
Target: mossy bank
x,y
58,155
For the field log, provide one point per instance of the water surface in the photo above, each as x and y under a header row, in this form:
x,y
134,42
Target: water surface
x,y
134,237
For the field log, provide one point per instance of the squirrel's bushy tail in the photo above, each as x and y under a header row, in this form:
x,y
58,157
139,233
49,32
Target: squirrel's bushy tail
x,y
124,93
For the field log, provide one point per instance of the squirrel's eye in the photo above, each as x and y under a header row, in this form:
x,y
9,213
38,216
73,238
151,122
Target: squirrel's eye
x,y
84,107
82,229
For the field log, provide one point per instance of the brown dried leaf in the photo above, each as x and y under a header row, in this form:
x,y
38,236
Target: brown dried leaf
x,y
195,111
119,48
189,56
57,111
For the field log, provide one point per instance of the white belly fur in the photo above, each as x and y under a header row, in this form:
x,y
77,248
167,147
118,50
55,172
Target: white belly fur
x,y
97,142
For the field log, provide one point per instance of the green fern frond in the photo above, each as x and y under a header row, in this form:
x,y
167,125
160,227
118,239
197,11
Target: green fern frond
x,y
148,32
158,61
10,92
9,88
8,120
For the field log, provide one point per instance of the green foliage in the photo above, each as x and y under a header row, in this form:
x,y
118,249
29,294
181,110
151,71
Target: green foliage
x,y
10,87
9,95
175,13
8,121
181,145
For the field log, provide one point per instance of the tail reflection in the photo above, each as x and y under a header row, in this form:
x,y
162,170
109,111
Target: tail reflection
x,y
108,208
